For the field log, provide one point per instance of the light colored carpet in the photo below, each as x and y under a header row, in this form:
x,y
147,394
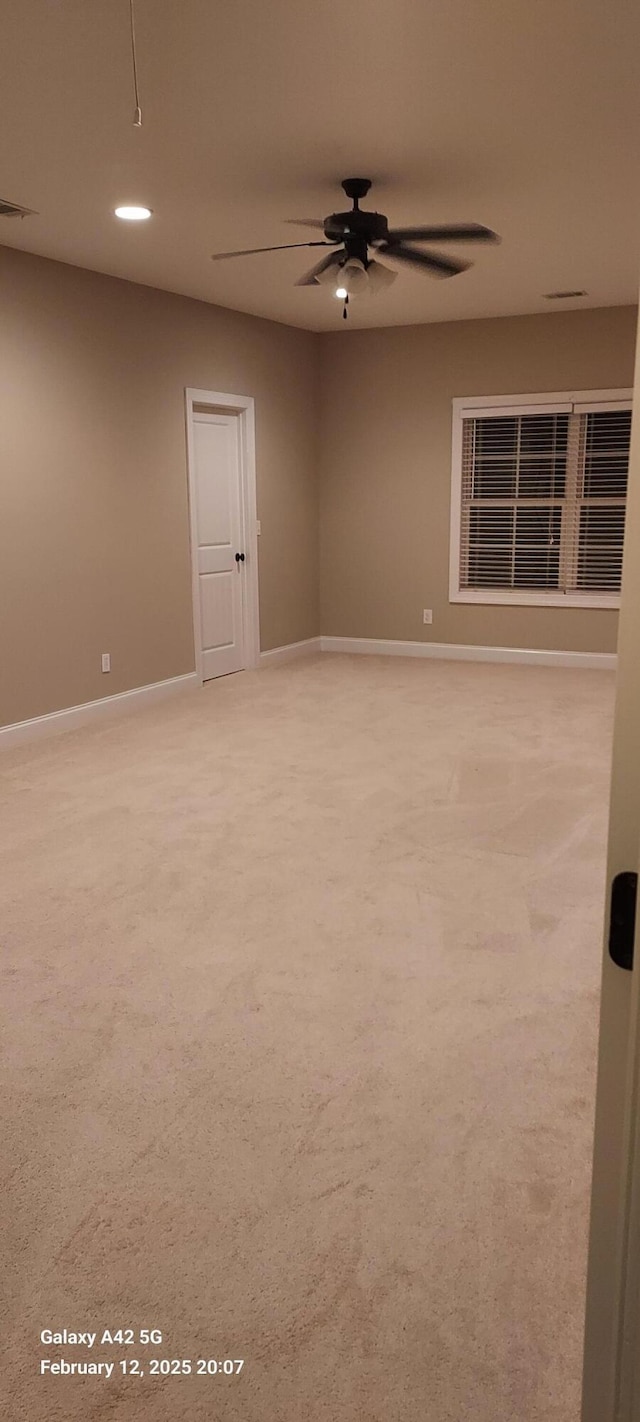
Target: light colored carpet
x,y
301,979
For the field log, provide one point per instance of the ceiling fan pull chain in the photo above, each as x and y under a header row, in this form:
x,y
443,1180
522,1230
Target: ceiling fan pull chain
x,y
344,310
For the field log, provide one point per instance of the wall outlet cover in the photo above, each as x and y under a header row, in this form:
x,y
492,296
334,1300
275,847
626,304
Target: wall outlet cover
x,y
106,661
427,615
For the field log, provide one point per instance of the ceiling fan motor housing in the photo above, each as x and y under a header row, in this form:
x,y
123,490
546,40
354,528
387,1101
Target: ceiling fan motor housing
x,y
358,230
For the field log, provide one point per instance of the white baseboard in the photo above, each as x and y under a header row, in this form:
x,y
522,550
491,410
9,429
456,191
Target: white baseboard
x,y
290,651
73,716
451,651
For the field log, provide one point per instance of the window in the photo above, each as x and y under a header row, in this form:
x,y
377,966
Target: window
x,y
538,498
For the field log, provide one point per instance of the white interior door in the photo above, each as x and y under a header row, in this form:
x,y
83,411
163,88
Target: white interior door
x,y
611,1391
221,559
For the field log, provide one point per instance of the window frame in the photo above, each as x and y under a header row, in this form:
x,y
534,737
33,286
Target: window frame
x,y
577,402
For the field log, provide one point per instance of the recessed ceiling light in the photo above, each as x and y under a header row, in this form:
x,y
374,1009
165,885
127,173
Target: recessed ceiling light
x,y
133,214
562,295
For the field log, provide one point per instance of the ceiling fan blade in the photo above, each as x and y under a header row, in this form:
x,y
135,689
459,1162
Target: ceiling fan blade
x,y
455,232
436,265
251,251
305,222
312,278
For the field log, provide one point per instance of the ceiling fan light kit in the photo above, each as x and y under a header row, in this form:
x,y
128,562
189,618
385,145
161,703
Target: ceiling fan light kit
x,y
353,277
353,234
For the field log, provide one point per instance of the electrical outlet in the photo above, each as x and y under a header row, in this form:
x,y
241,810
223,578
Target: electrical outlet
x,y
427,615
106,661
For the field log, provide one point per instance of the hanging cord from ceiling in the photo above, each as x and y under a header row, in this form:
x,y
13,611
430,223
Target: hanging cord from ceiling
x,y
137,117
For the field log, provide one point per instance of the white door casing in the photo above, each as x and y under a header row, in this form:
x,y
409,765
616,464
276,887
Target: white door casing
x,y
222,501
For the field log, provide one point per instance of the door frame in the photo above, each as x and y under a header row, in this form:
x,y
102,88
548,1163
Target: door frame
x,y
611,1367
243,406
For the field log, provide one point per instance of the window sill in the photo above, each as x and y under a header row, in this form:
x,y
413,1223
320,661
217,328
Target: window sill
x,y
491,597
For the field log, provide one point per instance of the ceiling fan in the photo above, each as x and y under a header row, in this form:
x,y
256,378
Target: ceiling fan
x,y
353,235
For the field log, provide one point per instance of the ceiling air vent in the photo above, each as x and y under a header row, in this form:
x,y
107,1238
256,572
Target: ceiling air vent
x,y
562,295
11,209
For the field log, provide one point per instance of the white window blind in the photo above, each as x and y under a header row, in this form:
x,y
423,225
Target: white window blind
x,y
543,498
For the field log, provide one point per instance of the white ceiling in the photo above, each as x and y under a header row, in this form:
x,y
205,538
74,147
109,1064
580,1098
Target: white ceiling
x,y
519,114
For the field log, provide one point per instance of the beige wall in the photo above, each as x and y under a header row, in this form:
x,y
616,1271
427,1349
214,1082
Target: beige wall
x,y
386,467
94,546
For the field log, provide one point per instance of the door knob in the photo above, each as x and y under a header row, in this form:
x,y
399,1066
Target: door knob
x,y
239,559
